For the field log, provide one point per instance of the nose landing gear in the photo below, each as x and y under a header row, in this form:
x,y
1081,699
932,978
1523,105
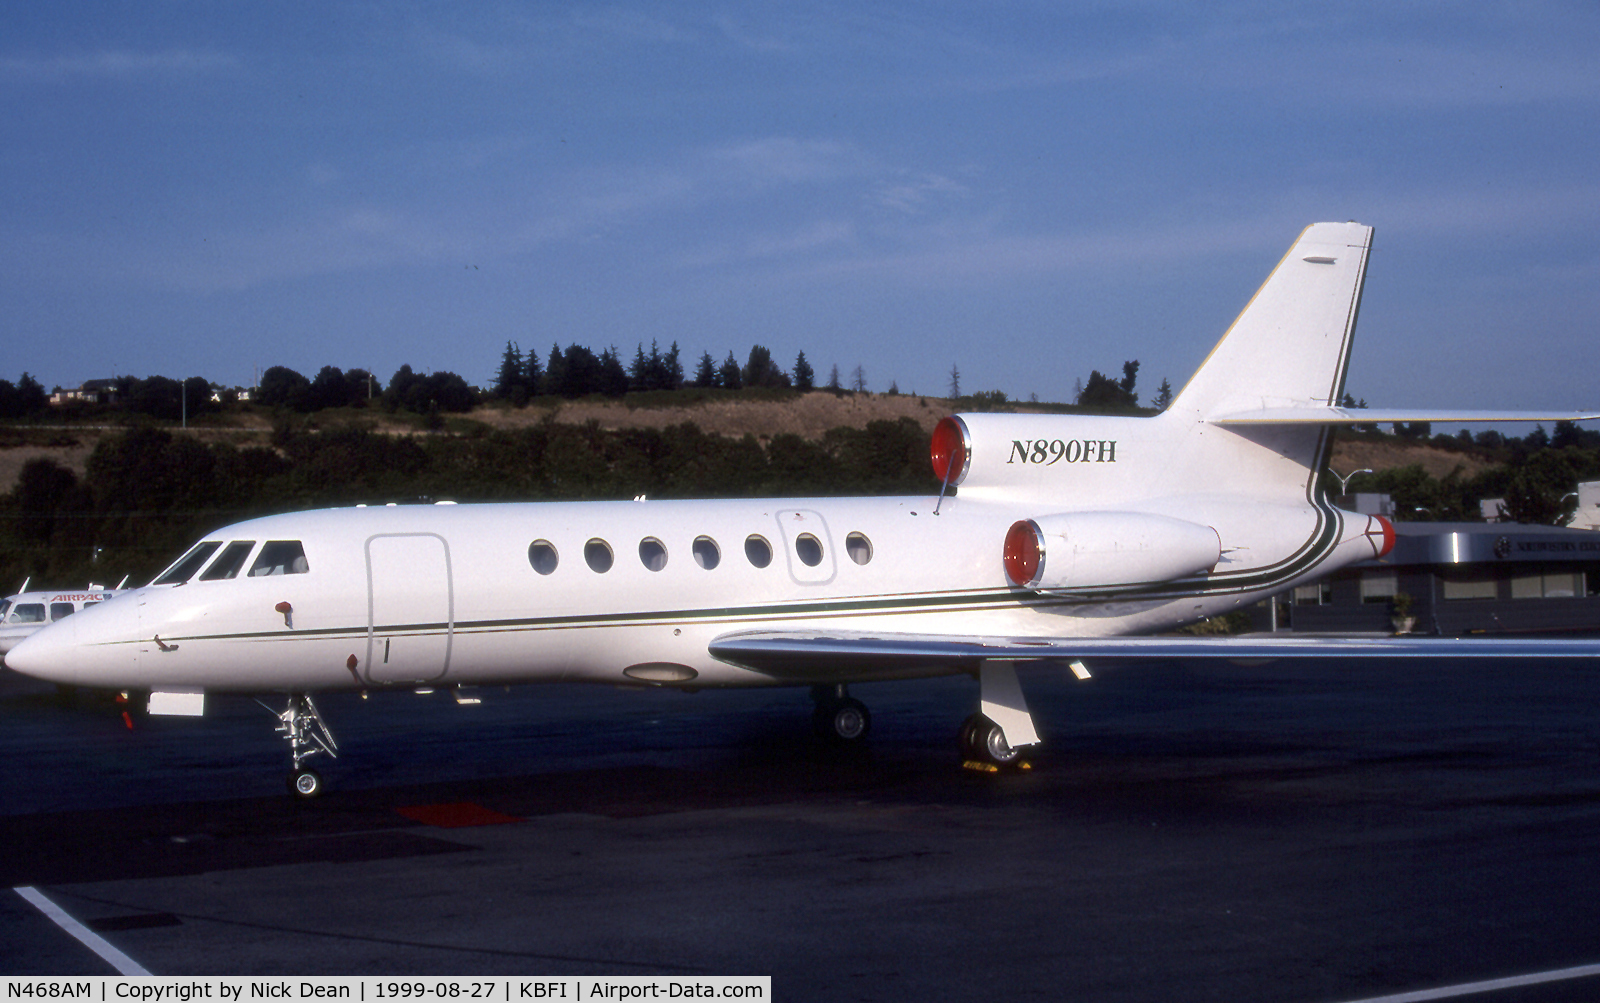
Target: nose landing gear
x,y
307,735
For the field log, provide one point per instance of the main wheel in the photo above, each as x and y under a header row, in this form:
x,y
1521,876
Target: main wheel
x,y
983,740
847,720
305,783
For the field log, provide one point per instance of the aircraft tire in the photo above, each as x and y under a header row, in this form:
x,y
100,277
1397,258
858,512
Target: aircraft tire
x,y
846,720
984,741
305,783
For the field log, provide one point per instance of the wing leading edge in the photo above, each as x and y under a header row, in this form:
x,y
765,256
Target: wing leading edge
x,y
837,656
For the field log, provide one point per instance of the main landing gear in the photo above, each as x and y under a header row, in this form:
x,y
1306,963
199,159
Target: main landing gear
x,y
838,715
302,726
983,745
994,738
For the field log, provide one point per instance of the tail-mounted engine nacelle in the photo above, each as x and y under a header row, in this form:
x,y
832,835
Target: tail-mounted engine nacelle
x,y
1095,551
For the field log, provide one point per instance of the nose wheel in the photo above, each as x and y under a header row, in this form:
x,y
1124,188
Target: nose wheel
x,y
307,735
304,782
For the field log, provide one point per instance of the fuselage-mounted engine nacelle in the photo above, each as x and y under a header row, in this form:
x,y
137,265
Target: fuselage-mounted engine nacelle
x,y
1098,551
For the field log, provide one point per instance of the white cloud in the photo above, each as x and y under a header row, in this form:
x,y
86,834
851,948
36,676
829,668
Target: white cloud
x,y
117,63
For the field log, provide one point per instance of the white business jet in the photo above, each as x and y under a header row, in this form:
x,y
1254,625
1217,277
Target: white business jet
x,y
1055,538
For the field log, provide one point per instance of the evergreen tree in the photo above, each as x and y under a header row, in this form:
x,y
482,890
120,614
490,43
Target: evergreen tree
x,y
729,377
705,375
833,378
511,374
761,371
804,377
1163,396
858,380
639,372
955,381
532,374
613,378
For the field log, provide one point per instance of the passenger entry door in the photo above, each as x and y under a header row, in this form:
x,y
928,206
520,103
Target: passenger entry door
x,y
410,610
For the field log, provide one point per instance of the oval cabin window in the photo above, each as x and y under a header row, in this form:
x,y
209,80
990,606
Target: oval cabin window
x,y
706,552
858,547
809,549
597,554
758,550
652,553
542,555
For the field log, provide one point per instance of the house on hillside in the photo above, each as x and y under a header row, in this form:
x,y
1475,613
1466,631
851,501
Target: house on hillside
x,y
92,392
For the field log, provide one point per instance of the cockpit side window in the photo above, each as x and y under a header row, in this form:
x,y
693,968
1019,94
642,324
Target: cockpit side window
x,y
280,557
28,612
188,564
232,559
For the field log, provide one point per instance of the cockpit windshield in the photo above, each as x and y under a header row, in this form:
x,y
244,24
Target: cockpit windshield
x,y
276,557
280,557
188,564
232,559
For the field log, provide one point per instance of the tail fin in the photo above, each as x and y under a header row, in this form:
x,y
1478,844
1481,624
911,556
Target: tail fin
x,y
1291,345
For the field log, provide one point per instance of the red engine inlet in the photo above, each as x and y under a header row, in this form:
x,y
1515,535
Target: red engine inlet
x,y
951,450
1022,550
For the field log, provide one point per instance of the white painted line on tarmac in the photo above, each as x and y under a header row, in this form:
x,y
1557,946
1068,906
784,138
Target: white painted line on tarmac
x,y
1471,988
93,941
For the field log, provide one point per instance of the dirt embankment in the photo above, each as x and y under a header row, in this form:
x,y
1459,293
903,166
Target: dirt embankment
x,y
808,415
1352,455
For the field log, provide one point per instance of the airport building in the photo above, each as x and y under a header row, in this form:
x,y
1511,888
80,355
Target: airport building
x,y
1455,579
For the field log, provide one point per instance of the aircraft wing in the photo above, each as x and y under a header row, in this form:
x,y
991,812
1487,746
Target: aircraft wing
x,y
1363,416
823,656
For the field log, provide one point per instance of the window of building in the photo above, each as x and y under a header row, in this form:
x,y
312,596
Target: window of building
x,y
597,554
652,553
1315,594
1454,587
232,559
809,549
542,555
1379,586
758,550
1548,585
706,552
280,557
858,547
188,564
1591,580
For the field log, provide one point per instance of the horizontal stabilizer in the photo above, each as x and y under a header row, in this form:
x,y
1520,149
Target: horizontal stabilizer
x,y
809,655
1364,416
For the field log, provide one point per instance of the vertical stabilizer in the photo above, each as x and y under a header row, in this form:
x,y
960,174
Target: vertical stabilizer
x,y
1290,346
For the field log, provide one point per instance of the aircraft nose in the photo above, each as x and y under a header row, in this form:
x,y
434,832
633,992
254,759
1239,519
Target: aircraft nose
x,y
47,654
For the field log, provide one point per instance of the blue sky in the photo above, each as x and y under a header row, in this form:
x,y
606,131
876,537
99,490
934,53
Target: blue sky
x,y
1026,191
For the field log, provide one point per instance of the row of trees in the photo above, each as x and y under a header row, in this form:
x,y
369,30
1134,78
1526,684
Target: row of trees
x,y
577,371
147,493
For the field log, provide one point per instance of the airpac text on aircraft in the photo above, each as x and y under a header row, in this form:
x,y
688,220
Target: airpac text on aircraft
x,y
1047,452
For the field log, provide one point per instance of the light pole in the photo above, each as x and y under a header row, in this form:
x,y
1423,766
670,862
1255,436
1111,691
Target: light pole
x,y
1344,482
